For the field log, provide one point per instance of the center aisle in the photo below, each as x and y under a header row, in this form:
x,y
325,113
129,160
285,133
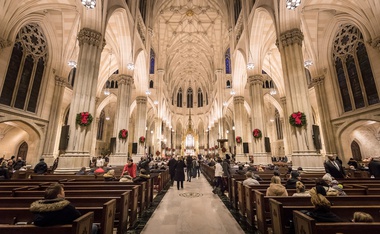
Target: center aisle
x,y
193,209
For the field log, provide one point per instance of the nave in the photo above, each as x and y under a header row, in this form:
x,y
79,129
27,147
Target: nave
x,y
193,209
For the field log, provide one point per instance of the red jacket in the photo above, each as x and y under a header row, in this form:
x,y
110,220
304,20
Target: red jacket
x,y
131,169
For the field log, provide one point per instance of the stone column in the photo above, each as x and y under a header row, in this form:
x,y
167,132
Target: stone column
x,y
220,84
326,127
286,130
239,127
257,118
297,99
122,119
140,125
157,133
55,118
91,44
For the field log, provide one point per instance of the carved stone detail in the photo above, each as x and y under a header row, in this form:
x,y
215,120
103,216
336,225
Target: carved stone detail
x,y
293,36
141,100
160,71
375,43
238,100
4,43
124,79
218,71
256,79
90,37
60,81
318,80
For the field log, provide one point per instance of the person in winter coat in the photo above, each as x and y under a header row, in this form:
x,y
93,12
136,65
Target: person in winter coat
x,y
143,176
172,164
322,209
179,172
276,188
41,167
218,176
131,168
294,177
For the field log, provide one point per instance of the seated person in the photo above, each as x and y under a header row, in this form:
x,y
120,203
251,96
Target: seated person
x,y
322,212
300,190
126,177
362,217
110,175
143,176
54,209
82,171
276,188
99,170
352,162
41,167
249,181
294,177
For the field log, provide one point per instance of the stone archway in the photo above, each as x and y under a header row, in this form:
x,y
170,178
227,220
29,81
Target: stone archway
x,y
355,149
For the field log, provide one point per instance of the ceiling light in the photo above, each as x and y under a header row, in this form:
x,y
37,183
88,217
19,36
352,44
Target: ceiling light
x,y
108,118
72,64
225,103
273,91
250,66
147,92
292,4
155,102
107,92
131,66
89,4
232,92
308,63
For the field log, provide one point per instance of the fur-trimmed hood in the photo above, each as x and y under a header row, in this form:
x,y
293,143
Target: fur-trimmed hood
x,y
48,205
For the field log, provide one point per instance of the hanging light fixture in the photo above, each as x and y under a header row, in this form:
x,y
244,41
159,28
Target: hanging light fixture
x,y
308,63
72,63
89,4
292,4
250,64
107,90
232,92
131,65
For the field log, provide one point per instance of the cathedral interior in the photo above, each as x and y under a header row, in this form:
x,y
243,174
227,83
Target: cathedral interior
x,y
250,78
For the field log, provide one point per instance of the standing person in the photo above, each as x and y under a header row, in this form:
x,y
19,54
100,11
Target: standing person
x,y
99,162
334,168
41,167
226,173
172,164
189,167
179,172
130,167
218,176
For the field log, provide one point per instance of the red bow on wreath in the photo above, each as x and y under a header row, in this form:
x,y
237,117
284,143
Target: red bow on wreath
x,y
124,133
84,117
297,118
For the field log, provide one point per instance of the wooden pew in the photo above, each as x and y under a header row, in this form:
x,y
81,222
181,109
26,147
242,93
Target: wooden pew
x,y
122,204
282,215
81,225
306,225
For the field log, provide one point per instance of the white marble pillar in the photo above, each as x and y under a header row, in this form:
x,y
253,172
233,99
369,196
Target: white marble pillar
x,y
326,126
91,44
286,130
257,118
157,134
141,104
239,127
297,99
123,104
55,118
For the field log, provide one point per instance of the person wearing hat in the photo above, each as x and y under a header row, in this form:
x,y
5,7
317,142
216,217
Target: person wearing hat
x,y
294,177
41,167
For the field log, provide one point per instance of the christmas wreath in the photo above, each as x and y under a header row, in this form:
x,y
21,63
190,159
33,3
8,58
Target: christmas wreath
x,y
123,134
142,139
238,139
84,118
158,152
297,119
224,149
257,133
216,147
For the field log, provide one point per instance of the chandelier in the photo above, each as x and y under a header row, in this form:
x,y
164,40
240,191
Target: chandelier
x,y
89,4
250,64
72,64
131,66
292,4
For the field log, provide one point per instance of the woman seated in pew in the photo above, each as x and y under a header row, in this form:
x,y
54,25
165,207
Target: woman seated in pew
x,y
276,188
250,181
362,217
110,175
126,177
322,209
300,190
54,209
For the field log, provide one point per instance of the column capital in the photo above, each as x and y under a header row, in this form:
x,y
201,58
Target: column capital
x,y
218,71
256,79
141,100
283,100
239,100
160,71
90,37
290,37
124,79
60,81
318,80
375,43
4,43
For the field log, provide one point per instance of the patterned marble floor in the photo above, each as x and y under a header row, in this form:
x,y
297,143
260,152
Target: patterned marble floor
x,y
193,209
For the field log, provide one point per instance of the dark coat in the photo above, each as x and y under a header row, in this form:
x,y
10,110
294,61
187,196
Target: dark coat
x,y
51,212
324,216
179,171
291,183
189,161
374,168
172,164
40,168
19,164
334,172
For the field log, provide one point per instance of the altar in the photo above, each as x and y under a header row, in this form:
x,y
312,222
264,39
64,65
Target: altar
x,y
190,141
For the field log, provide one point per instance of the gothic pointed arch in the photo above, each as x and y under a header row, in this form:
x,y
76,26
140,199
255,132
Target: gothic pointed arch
x,y
355,149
